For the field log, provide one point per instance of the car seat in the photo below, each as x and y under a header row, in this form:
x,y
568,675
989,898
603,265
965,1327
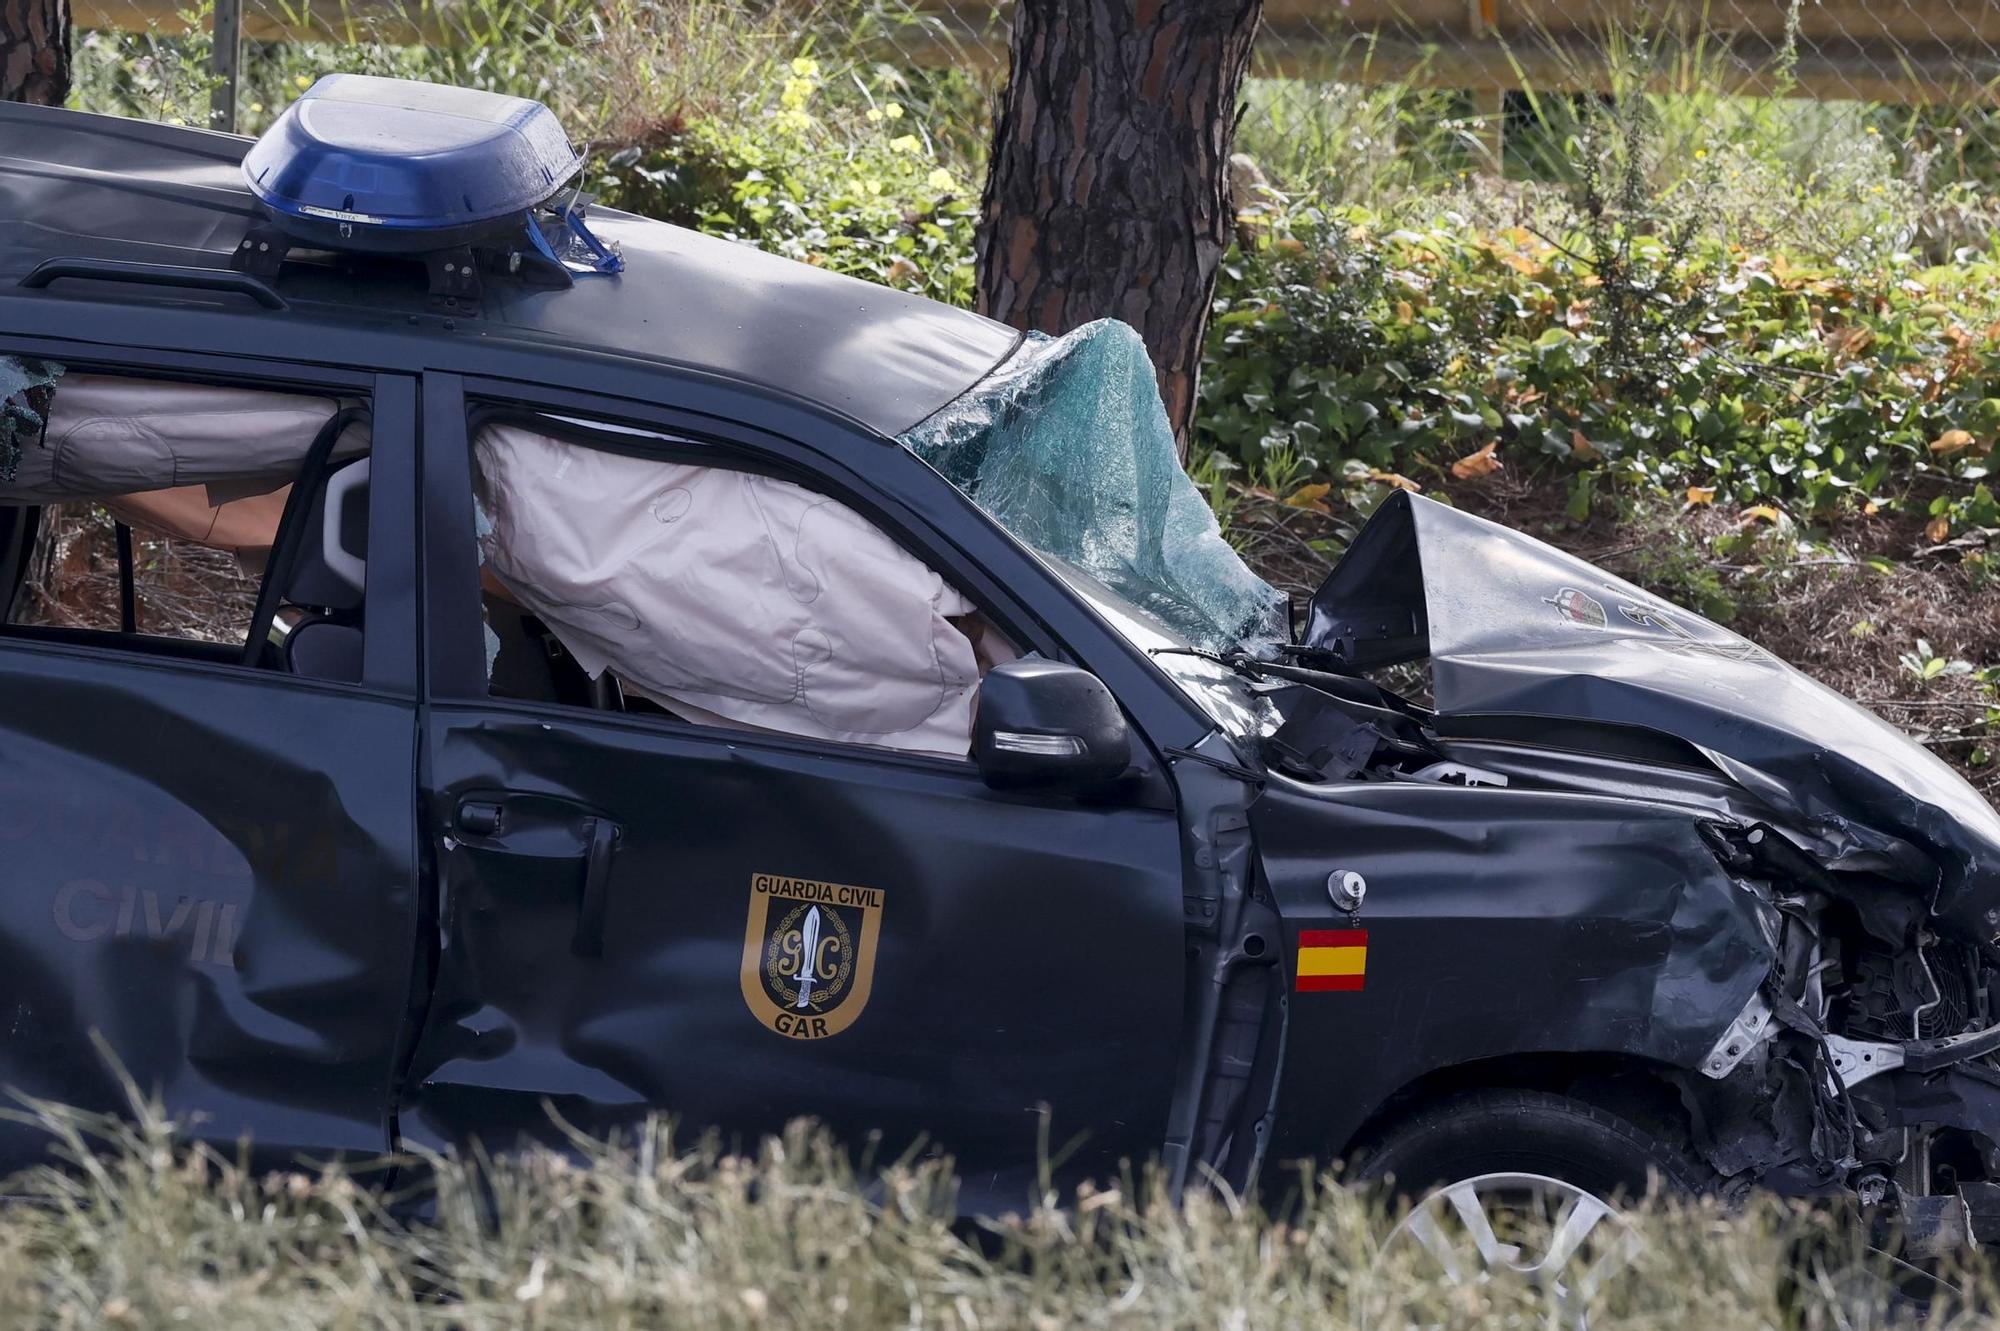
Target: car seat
x,y
325,594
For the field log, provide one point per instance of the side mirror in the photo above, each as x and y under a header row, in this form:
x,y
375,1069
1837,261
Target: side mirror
x,y
1042,725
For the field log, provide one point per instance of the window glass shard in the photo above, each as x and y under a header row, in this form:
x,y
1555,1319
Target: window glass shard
x,y
1066,444
26,384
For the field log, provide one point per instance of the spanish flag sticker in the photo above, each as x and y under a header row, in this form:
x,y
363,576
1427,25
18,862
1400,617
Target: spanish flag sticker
x,y
1332,959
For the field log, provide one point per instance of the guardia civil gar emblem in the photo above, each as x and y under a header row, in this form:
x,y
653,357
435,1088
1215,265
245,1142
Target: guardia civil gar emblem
x,y
809,954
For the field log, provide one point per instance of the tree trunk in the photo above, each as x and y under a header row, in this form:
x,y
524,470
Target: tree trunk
x,y
34,51
1108,192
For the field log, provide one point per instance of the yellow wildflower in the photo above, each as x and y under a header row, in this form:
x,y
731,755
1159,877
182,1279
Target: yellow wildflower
x,y
940,179
874,115
303,81
904,143
796,94
893,110
805,67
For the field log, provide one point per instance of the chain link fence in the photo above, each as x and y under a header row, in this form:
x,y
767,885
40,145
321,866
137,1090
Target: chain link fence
x,y
1348,95
1858,99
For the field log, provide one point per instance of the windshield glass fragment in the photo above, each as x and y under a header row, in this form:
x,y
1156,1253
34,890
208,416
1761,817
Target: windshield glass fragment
x,y
1067,446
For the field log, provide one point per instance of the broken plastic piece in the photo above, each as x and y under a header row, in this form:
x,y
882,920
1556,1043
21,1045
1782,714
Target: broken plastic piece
x,y
562,237
26,386
1067,446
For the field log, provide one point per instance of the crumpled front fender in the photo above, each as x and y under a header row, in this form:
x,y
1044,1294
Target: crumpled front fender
x,y
1500,922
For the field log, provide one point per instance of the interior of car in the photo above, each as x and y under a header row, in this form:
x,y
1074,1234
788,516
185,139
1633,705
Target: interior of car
x,y
189,520
231,526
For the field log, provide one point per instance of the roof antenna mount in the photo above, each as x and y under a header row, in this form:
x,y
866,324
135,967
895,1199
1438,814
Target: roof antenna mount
x,y
262,251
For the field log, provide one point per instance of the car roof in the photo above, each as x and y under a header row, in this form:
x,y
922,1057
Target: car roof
x,y
78,185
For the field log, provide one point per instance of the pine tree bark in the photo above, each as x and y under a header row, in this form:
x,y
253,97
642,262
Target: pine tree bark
x,y
34,51
1108,194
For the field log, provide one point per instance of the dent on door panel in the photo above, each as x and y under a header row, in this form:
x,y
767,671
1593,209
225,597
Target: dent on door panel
x,y
1024,957
214,874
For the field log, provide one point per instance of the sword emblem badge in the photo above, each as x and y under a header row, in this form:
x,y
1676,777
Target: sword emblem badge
x,y
809,954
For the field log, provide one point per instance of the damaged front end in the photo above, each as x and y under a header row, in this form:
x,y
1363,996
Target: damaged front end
x,y
1867,1061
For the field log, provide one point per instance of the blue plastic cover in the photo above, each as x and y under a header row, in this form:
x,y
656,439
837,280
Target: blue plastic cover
x,y
400,154
1067,446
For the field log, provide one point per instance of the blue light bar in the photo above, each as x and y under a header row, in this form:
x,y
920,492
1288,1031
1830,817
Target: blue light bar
x,y
402,167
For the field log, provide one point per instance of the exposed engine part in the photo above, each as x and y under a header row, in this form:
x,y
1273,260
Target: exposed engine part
x,y
1855,1061
1752,1027
1868,1063
1982,1205
1919,992
1927,1228
1945,1051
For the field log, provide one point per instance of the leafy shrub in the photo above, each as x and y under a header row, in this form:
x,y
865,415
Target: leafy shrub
x,y
1658,355
840,174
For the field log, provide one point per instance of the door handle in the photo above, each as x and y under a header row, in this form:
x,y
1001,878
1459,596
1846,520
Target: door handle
x,y
543,827
482,817
602,835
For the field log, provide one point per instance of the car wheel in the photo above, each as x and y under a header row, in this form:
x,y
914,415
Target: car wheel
x,y
1523,1184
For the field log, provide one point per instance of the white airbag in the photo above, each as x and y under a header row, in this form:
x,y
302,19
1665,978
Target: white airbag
x,y
727,593
109,435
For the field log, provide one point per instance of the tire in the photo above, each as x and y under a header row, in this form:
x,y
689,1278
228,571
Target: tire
x,y
1526,1185
1528,1132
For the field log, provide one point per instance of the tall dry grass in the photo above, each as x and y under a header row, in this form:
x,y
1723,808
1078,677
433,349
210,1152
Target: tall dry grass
x,y
132,1227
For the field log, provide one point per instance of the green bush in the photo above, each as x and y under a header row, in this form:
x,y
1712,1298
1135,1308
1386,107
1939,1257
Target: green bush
x,y
1671,360
839,173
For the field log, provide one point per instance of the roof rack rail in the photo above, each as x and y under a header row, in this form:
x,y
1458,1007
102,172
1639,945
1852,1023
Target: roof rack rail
x,y
155,274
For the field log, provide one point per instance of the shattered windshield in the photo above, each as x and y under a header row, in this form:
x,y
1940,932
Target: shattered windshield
x,y
1233,702
1067,446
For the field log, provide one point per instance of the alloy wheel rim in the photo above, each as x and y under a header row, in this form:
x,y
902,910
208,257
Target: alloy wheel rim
x,y
1561,1238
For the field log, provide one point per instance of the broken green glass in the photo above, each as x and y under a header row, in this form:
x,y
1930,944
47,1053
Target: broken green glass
x,y
1066,444
27,386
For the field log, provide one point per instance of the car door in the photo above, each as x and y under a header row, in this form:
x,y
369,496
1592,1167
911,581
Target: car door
x,y
209,867
617,891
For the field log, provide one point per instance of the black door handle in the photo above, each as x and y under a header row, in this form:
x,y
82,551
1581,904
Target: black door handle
x,y
546,827
603,841
482,817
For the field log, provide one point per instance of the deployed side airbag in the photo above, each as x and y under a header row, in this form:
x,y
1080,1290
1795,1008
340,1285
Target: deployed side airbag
x,y
722,594
109,436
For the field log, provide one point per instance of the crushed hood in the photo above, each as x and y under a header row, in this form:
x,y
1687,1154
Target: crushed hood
x,y
1515,628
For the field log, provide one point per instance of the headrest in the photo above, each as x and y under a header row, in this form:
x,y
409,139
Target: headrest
x,y
332,569
322,649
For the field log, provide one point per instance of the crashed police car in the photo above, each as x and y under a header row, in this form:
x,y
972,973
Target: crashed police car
x,y
679,679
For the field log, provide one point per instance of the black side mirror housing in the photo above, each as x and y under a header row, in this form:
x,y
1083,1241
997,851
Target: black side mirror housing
x,y
1043,725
